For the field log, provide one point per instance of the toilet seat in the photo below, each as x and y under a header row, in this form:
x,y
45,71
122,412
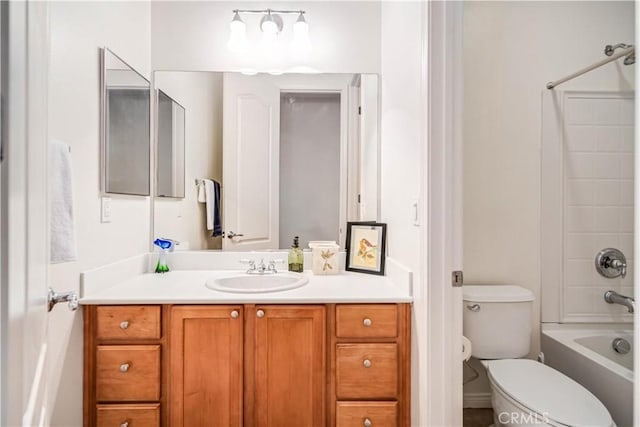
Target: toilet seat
x,y
547,392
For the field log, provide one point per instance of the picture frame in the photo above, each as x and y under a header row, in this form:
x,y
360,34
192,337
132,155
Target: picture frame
x,y
366,247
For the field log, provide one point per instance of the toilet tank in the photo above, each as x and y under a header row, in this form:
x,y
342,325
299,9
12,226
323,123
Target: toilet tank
x,y
497,320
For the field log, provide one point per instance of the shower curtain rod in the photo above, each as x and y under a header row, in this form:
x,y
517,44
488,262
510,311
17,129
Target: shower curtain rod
x,y
630,50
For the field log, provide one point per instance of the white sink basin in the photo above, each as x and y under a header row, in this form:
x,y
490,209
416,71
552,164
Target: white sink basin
x,y
258,283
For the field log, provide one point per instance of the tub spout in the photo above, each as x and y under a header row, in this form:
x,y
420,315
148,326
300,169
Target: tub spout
x,y
612,297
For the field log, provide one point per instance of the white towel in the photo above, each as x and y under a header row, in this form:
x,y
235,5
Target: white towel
x,y
62,230
202,198
210,200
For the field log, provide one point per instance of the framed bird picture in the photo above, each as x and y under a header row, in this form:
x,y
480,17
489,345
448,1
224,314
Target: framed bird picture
x,y
365,247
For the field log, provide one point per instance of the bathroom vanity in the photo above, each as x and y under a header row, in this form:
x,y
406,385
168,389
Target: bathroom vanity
x,y
314,356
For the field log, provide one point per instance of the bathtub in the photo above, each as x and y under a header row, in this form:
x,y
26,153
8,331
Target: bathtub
x,y
584,352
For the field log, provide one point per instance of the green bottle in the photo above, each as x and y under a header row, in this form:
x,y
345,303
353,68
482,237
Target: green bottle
x,y
296,258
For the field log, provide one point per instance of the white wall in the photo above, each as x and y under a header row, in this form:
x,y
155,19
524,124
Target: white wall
x,y
193,35
201,96
401,168
78,29
511,49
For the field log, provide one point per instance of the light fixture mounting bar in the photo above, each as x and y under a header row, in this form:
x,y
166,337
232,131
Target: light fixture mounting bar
x,y
269,11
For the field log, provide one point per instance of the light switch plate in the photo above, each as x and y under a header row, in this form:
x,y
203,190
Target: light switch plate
x,y
105,209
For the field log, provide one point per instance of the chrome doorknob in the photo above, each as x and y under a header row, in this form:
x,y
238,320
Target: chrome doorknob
x,y
70,297
231,235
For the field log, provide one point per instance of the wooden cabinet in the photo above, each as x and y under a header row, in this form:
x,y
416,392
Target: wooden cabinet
x,y
280,383
123,363
247,365
206,372
289,360
371,361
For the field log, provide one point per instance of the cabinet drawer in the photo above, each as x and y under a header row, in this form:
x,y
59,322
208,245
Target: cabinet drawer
x,y
366,371
365,414
127,373
367,321
126,322
129,415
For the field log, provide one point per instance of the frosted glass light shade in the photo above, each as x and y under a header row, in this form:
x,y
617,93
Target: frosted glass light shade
x,y
238,36
301,43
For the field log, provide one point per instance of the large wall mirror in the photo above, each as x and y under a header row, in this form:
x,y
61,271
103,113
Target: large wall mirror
x,y
126,133
288,155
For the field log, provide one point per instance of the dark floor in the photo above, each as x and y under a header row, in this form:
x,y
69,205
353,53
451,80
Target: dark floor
x,y
477,417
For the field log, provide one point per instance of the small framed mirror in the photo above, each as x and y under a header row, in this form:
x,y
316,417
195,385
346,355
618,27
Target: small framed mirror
x,y
170,134
125,128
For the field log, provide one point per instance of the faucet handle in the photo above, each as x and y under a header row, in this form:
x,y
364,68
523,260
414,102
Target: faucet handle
x,y
251,262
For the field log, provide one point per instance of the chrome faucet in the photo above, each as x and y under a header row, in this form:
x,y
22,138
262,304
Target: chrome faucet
x,y
261,268
612,297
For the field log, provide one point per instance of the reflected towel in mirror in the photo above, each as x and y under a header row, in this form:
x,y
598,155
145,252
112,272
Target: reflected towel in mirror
x,y
212,199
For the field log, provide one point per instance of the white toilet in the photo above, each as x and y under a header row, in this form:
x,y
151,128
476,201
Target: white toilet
x,y
497,321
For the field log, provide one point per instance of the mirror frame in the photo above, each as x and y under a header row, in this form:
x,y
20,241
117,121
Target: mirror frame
x,y
104,126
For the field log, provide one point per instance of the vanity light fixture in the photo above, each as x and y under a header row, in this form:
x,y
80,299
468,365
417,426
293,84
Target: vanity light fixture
x,y
271,25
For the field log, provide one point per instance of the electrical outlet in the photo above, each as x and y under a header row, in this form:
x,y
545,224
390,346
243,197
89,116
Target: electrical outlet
x,y
105,209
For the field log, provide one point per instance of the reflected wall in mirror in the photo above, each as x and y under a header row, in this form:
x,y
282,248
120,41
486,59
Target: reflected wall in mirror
x,y
170,132
125,136
294,154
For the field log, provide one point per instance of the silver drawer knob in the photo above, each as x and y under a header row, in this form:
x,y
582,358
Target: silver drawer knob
x,y
367,422
124,367
124,424
235,314
124,325
366,363
367,322
260,314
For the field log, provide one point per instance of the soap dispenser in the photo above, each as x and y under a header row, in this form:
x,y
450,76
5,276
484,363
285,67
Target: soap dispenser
x,y
165,245
296,258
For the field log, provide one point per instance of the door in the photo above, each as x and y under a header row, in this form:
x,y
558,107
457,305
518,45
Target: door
x,y
250,142
24,228
289,366
206,366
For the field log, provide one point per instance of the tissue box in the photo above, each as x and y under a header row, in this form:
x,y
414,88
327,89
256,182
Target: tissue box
x,y
325,257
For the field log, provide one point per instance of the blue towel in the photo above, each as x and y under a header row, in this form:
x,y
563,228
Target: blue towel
x,y
217,225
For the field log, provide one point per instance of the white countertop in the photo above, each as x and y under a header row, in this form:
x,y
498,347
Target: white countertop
x,y
188,287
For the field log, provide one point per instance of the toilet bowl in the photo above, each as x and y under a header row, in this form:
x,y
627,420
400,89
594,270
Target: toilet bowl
x,y
526,392
497,321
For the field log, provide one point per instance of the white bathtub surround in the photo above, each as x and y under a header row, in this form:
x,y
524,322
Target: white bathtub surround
x,y
132,281
568,348
587,202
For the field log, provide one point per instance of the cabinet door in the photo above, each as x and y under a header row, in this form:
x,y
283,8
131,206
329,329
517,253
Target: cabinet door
x,y
205,353
289,366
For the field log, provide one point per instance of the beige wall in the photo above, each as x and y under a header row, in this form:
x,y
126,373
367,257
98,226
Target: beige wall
x,y
511,49
78,29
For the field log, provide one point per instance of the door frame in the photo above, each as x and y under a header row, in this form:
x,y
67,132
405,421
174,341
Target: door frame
x,y
442,235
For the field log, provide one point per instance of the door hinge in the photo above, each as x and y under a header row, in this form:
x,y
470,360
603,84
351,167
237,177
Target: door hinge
x,y
456,278
359,111
359,199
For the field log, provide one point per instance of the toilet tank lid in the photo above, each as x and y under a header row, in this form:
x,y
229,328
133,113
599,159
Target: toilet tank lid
x,y
496,293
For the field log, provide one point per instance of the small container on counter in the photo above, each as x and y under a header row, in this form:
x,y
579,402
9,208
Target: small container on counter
x,y
325,257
